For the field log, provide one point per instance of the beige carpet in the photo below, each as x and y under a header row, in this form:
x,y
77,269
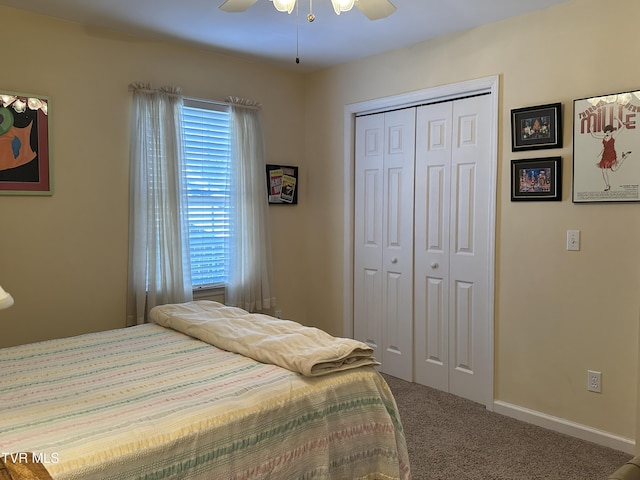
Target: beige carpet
x,y
455,439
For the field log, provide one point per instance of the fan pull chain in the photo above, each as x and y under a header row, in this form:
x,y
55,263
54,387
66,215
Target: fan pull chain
x,y
298,31
310,17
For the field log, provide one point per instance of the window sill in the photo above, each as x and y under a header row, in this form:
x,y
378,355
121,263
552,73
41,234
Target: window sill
x,y
215,293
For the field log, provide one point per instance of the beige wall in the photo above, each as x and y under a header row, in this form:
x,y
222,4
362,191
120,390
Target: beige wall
x,y
558,313
64,257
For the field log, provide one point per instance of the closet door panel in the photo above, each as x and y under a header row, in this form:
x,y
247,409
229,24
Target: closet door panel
x,y
397,254
368,243
383,238
432,190
469,260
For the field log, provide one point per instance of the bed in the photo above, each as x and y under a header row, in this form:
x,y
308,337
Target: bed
x,y
157,401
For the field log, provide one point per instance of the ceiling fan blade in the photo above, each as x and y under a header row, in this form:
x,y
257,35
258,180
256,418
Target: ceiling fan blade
x,y
376,9
235,6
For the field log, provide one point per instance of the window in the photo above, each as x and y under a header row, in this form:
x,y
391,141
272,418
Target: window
x,y
206,132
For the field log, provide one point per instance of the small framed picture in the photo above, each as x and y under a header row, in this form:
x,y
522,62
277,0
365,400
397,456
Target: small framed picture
x,y
282,185
536,179
535,128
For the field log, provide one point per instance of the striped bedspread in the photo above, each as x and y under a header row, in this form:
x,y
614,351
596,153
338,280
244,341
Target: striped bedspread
x,y
148,402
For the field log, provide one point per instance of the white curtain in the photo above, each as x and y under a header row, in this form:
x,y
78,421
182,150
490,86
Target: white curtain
x,y
250,269
159,266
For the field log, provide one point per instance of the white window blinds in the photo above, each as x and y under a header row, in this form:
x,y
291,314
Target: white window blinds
x,y
206,131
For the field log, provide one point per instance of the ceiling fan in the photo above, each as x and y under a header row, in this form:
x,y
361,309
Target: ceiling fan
x,y
373,9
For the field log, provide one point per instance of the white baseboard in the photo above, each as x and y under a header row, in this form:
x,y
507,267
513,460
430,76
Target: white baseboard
x,y
567,427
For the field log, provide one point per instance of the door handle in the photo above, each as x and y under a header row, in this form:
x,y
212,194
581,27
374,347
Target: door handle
x,y
394,260
434,265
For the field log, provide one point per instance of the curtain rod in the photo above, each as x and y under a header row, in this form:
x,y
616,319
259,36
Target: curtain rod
x,y
244,102
145,87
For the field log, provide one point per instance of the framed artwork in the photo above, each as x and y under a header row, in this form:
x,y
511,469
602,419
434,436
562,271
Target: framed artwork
x,y
535,128
25,165
282,184
606,148
536,179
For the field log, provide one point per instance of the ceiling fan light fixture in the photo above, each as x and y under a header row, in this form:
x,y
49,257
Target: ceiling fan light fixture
x,y
342,5
284,5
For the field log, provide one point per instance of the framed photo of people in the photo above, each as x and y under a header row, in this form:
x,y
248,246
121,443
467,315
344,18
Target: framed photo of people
x,y
536,128
606,148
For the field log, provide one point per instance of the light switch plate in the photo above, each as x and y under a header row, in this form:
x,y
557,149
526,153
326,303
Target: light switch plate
x,y
573,240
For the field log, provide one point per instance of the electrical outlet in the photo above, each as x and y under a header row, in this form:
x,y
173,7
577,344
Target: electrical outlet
x,y
594,381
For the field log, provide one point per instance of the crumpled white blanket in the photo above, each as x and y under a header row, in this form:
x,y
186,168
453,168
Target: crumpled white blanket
x,y
306,350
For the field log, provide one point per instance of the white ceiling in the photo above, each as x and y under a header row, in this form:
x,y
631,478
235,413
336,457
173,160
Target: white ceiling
x,y
264,33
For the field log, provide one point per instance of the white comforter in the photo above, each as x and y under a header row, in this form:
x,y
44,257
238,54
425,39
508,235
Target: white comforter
x,y
306,350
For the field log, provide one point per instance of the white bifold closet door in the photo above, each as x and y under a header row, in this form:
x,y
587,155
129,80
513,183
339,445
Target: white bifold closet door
x,y
383,238
452,200
421,243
